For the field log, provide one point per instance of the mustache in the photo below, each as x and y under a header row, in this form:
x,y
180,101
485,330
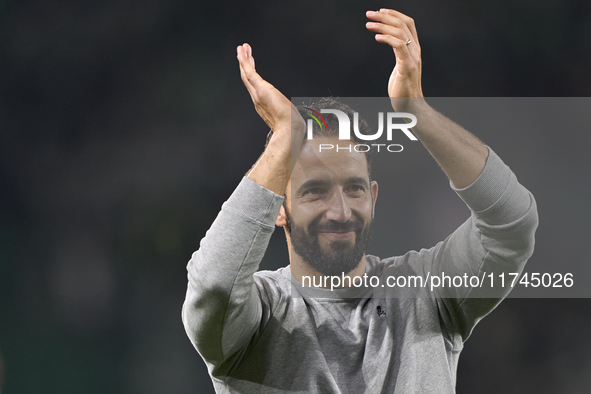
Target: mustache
x,y
333,226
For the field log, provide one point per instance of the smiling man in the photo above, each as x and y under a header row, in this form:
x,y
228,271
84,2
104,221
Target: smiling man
x,y
333,201
267,332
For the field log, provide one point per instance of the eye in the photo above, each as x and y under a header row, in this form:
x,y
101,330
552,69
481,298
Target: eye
x,y
355,188
316,191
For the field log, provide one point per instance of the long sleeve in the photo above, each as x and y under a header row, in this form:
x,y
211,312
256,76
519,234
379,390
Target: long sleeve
x,y
497,238
223,309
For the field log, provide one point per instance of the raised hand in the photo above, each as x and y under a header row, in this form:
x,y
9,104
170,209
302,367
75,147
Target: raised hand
x,y
398,30
273,169
271,105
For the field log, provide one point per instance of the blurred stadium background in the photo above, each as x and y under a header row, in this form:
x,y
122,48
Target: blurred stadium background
x,y
124,126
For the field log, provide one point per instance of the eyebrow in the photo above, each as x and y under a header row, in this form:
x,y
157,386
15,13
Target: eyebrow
x,y
311,184
320,182
358,181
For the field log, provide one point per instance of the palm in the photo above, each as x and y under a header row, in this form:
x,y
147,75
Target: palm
x,y
271,105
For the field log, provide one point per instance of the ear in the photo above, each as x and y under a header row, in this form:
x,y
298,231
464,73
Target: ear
x,y
281,219
374,196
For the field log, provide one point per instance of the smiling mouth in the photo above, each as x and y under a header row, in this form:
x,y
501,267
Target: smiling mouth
x,y
337,234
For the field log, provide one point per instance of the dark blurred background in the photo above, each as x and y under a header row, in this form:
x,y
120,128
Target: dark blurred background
x,y
124,126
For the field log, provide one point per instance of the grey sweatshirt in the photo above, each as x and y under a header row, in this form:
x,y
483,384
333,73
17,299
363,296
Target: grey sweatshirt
x,y
262,332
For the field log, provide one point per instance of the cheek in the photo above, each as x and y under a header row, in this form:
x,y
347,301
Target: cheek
x,y
363,208
306,213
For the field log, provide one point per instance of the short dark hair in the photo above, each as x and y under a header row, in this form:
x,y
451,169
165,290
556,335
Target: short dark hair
x,y
332,124
332,129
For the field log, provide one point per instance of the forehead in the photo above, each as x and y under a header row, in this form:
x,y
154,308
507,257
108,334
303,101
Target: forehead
x,y
328,164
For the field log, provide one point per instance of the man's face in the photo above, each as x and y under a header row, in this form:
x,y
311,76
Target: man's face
x,y
330,207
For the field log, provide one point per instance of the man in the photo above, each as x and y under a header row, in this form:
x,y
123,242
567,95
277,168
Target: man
x,y
266,332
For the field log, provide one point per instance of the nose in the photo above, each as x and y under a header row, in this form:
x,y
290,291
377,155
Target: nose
x,y
338,208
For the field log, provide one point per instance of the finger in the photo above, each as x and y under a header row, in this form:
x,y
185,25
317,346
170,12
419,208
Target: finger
x,y
407,19
249,54
381,28
241,54
247,83
245,51
251,90
386,24
392,20
250,76
242,61
401,34
242,58
254,79
245,59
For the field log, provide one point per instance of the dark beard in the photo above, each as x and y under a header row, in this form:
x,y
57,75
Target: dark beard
x,y
342,257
